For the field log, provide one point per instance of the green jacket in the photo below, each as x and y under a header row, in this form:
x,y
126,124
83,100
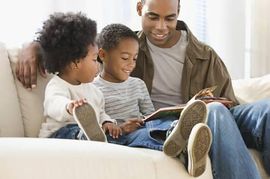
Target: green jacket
x,y
202,68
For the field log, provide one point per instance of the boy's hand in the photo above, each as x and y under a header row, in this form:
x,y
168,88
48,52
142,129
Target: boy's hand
x,y
74,104
114,130
131,125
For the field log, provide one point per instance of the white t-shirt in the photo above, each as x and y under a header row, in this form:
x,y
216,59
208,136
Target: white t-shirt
x,y
168,67
58,94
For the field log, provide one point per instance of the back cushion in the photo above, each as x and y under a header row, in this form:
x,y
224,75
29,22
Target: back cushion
x,y
31,102
11,124
250,90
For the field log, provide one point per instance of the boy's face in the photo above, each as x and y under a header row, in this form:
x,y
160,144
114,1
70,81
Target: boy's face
x,y
120,61
88,66
159,19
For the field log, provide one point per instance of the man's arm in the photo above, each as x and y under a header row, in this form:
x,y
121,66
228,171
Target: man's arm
x,y
28,64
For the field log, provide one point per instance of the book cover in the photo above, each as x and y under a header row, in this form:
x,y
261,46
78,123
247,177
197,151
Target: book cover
x,y
167,111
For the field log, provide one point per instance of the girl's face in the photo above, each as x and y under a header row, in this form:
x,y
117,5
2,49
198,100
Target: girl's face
x,y
88,66
120,61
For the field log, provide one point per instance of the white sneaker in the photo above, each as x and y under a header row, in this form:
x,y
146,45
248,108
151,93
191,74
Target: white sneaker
x,y
195,112
86,118
199,144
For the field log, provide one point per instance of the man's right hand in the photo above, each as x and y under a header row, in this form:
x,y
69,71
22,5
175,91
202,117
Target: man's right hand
x,y
28,64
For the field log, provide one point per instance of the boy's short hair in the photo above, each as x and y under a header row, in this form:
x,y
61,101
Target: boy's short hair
x,y
111,35
65,38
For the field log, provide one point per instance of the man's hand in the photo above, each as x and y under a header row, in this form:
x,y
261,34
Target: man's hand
x,y
114,130
131,125
27,65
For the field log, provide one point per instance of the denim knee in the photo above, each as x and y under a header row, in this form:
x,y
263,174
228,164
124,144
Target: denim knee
x,y
216,109
264,105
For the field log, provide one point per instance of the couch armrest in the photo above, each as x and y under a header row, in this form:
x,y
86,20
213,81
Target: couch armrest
x,y
24,158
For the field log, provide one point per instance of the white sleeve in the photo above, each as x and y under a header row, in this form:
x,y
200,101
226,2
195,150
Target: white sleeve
x,y
56,99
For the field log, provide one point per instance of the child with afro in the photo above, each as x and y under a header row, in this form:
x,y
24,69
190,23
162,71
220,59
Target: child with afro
x,y
69,51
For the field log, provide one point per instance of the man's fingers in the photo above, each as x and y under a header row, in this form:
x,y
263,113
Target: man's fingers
x,y
33,76
42,70
26,77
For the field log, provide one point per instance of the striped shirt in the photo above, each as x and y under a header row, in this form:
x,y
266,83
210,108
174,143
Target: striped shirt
x,y
129,99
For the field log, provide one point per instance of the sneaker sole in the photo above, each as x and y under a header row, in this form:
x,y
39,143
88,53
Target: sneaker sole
x,y
86,118
198,147
194,113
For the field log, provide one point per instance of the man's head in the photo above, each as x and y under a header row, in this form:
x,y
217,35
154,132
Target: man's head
x,y
159,19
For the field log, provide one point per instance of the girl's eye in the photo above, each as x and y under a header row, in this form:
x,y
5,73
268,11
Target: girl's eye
x,y
124,58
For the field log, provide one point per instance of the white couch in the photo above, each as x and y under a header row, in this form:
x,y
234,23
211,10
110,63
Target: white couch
x,y
24,156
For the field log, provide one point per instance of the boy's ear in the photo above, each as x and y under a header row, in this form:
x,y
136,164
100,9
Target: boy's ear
x,y
74,65
101,54
139,8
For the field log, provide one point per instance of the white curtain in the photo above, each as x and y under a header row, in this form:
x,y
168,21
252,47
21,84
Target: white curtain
x,y
260,38
20,19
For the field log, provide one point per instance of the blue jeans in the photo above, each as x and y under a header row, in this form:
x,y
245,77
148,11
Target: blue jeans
x,y
145,135
233,131
70,131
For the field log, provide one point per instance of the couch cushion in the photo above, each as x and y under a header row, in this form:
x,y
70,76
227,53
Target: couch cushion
x,y
10,122
250,90
31,102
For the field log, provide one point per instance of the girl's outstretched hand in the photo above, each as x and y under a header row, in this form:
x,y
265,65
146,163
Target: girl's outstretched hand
x,y
74,104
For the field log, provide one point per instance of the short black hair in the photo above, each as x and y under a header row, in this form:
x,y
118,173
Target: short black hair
x,y
143,1
112,34
65,38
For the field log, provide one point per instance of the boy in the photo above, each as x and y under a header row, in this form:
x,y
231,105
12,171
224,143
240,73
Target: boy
x,y
127,100
69,51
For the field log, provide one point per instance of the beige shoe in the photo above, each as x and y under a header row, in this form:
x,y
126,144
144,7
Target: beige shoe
x,y
199,144
86,118
195,112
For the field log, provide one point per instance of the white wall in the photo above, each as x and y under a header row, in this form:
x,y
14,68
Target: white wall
x,y
237,30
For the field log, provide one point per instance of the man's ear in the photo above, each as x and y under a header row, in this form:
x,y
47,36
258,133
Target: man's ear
x,y
139,8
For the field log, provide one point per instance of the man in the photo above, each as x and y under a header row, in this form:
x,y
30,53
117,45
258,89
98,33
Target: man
x,y
175,66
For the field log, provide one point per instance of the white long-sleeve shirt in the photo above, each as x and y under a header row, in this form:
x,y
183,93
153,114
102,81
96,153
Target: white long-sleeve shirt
x,y
59,94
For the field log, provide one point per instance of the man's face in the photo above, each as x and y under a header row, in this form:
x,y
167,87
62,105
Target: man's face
x,y
159,19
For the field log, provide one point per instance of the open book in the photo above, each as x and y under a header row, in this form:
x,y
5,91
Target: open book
x,y
167,111
206,93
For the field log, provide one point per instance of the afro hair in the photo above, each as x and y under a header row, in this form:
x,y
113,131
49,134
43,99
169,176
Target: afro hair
x,y
65,38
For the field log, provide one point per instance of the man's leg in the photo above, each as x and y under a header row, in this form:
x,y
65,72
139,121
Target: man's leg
x,y
253,121
142,136
229,155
